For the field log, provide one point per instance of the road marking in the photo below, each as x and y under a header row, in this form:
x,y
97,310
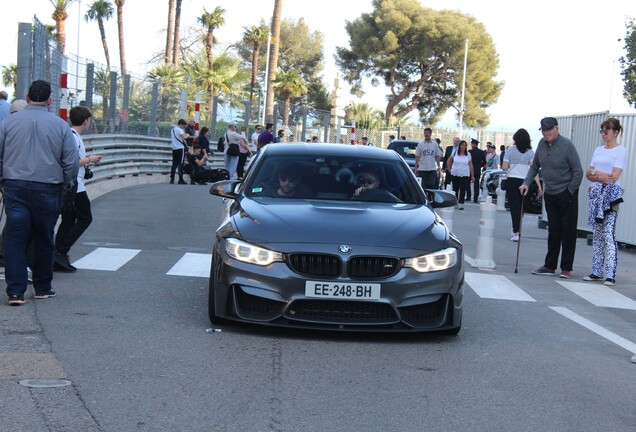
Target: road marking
x,y
109,259
600,295
192,264
603,332
496,287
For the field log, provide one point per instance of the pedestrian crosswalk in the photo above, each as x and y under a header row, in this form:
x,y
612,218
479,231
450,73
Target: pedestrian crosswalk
x,y
485,285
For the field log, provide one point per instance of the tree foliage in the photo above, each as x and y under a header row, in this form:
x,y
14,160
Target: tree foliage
x,y
628,63
418,54
365,116
100,11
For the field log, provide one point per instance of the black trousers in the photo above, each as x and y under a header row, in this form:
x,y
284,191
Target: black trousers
x,y
563,212
514,201
177,163
240,168
74,222
460,186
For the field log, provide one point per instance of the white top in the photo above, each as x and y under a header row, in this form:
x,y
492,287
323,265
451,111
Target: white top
x,y
81,151
605,160
519,162
175,136
426,151
255,139
460,166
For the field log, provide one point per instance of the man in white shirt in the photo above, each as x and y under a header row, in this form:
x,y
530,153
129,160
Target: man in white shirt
x,y
179,144
427,156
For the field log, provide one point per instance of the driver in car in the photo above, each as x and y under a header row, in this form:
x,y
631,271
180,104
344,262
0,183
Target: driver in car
x,y
366,181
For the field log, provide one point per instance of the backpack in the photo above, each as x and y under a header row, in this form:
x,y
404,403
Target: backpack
x,y
221,145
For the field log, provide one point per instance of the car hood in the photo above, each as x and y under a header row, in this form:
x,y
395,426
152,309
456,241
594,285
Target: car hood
x,y
360,223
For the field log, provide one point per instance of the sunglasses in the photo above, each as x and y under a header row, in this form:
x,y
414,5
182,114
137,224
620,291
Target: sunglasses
x,y
605,131
287,178
366,180
547,129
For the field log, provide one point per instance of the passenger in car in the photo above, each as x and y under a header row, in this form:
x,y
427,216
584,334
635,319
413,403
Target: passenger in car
x,y
288,184
370,187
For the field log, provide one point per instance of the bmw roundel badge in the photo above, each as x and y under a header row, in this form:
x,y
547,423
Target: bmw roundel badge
x,y
344,249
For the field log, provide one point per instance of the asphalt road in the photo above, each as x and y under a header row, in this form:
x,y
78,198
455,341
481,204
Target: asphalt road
x,y
133,343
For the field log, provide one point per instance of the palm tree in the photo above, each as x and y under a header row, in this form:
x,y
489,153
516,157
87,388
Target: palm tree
x,y
255,35
101,85
177,38
365,116
170,32
211,21
273,60
60,14
99,11
170,78
226,77
291,84
120,30
10,76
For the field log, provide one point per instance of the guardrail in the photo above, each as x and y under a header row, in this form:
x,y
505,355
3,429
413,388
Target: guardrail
x,y
131,160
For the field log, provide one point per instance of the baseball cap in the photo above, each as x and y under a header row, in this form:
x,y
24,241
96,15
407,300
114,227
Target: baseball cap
x,y
18,105
548,123
474,141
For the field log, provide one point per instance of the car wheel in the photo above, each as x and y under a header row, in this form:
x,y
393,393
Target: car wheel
x,y
215,268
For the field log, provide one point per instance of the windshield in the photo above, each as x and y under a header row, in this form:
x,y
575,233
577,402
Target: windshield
x,y
343,178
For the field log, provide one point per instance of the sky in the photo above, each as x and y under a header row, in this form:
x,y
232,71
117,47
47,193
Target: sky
x,y
556,57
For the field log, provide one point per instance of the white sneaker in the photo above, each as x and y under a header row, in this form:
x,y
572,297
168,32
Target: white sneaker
x,y
514,238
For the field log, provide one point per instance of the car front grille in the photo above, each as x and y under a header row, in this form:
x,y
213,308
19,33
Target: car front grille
x,y
331,266
316,264
256,308
426,315
372,267
341,312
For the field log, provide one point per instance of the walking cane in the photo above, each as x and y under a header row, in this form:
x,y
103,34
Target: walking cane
x,y
519,242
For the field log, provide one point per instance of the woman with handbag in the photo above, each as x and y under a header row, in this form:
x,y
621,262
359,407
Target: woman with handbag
x,y
517,162
232,149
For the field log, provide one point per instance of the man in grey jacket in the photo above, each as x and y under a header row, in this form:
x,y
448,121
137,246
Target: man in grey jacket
x,y
562,173
38,157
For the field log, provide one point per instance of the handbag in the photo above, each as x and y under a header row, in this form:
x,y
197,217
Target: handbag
x,y
503,184
233,149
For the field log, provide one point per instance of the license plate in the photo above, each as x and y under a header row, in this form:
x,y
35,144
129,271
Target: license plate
x,y
346,290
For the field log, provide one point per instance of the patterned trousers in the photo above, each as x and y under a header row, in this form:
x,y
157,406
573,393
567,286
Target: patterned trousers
x,y
604,244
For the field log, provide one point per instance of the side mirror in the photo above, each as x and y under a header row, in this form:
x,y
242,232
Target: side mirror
x,y
440,198
225,188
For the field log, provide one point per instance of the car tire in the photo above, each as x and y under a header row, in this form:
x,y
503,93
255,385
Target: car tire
x,y
215,268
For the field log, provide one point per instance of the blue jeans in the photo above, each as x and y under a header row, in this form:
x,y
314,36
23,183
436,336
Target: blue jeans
x,y
32,210
231,163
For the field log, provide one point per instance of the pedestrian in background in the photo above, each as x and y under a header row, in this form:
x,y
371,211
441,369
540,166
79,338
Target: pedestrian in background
x,y
449,152
5,108
203,141
178,140
461,169
517,162
266,136
605,195
427,157
561,172
478,158
76,211
232,149
38,157
491,156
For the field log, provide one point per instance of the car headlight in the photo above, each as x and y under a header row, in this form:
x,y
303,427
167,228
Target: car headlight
x,y
248,253
436,261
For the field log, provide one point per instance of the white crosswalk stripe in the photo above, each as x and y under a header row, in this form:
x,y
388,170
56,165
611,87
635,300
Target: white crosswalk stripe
x,y
110,259
600,295
496,287
192,264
